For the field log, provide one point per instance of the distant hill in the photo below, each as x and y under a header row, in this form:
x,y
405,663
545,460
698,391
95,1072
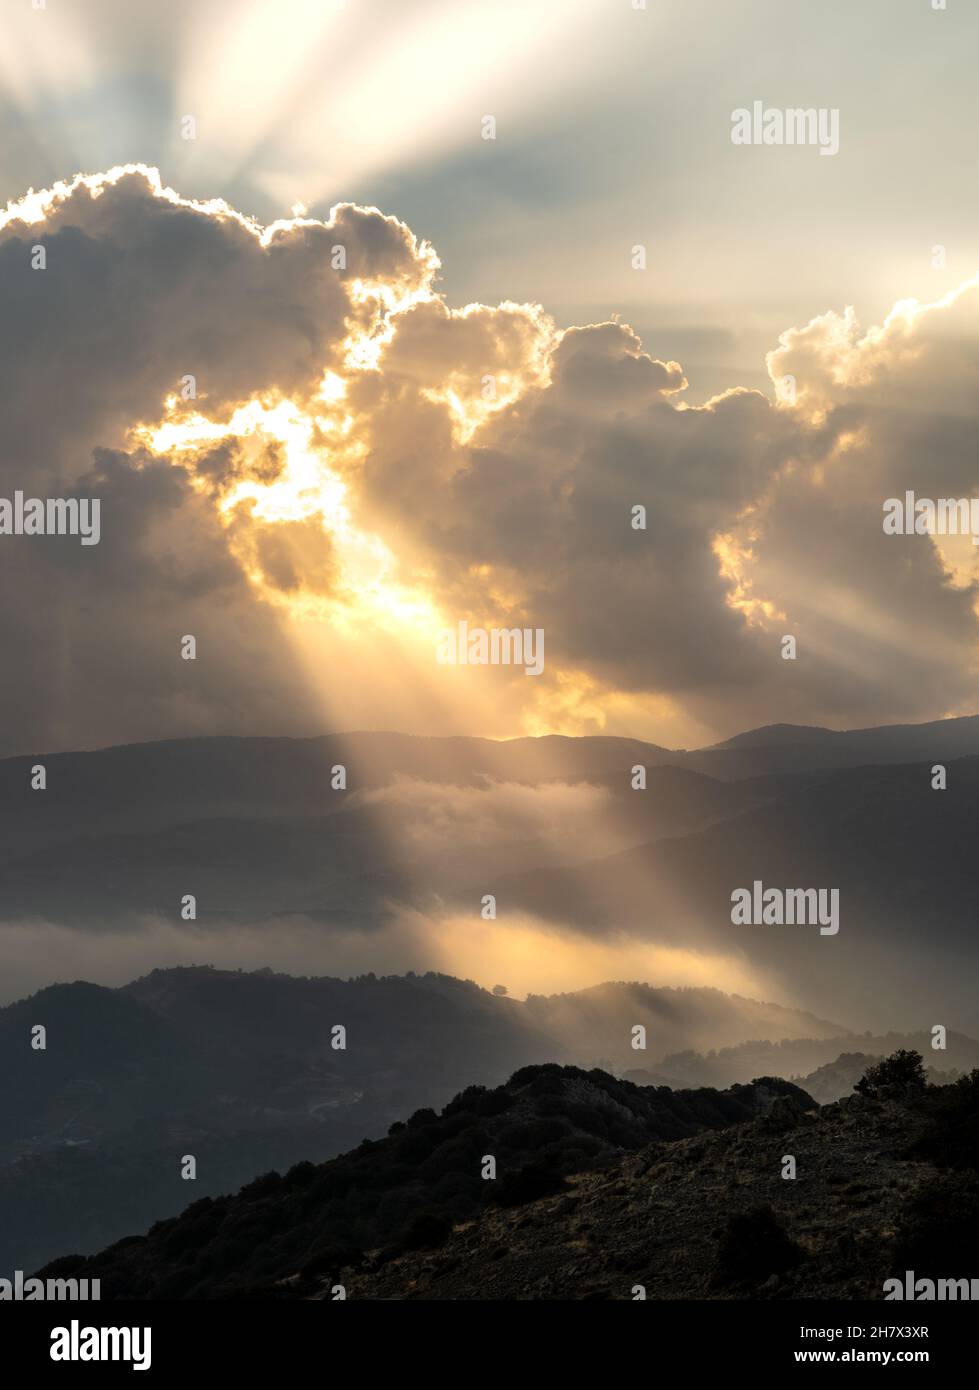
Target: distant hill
x,y
784,748
597,1023
779,736
833,1080
817,1061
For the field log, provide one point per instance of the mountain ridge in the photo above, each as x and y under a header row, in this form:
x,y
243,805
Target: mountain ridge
x,y
600,1189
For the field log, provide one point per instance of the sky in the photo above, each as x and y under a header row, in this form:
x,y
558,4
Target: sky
x,y
457,424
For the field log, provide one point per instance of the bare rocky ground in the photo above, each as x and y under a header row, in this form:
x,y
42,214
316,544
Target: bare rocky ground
x,y
666,1219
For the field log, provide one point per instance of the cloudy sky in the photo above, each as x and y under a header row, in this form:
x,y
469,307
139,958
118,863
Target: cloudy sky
x,y
456,420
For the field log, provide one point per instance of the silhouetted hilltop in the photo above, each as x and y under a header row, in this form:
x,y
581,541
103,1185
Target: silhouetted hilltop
x,y
885,1183
406,1191
602,1190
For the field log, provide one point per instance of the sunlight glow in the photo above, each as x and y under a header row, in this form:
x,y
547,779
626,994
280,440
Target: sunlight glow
x,y
347,94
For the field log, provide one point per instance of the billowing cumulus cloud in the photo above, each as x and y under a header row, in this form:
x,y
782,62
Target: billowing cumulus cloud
x,y
762,520
887,623
531,521
139,291
361,464
141,288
